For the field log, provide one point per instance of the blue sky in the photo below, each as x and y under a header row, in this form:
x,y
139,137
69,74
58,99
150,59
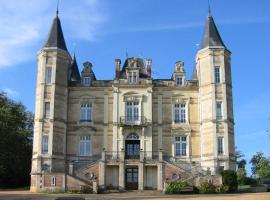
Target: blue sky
x,y
164,30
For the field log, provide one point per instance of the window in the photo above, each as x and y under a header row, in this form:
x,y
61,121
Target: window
x,y
220,145
217,74
179,80
132,111
86,81
48,78
132,77
47,110
181,145
53,180
86,112
85,145
219,111
45,140
180,113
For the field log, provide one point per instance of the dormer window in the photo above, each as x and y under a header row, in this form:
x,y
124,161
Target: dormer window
x,y
179,80
86,81
132,77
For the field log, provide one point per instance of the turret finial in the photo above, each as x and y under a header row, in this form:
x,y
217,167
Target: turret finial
x,y
209,8
57,8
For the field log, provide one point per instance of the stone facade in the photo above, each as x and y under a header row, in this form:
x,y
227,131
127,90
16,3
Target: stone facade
x,y
132,132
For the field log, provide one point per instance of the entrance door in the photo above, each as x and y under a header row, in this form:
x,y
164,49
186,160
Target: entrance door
x,y
132,149
132,178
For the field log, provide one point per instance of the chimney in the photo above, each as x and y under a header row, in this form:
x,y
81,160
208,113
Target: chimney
x,y
148,67
117,68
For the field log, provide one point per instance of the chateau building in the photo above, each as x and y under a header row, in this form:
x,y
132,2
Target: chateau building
x,y
134,131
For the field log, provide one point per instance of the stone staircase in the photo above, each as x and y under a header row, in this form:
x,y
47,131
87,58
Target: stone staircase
x,y
193,170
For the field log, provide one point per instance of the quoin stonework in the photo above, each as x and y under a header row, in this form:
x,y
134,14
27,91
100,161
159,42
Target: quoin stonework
x,y
134,131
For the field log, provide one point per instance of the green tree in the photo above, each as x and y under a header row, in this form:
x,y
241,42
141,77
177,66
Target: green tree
x,y
263,169
255,162
16,130
241,175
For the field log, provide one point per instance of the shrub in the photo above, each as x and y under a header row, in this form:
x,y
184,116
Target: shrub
x,y
229,179
175,187
221,189
85,189
206,188
249,181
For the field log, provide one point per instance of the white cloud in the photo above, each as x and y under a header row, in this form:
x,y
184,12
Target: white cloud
x,y
25,25
11,93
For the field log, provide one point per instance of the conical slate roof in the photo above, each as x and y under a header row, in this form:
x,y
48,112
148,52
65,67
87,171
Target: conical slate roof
x,y
75,74
211,37
56,37
194,74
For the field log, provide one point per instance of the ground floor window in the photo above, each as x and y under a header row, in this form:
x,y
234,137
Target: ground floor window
x,y
85,146
181,145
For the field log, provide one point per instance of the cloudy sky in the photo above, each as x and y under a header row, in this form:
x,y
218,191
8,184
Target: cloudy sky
x,y
164,30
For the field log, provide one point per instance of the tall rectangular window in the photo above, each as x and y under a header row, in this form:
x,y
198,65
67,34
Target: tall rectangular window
x,y
132,111
219,110
45,140
181,145
47,110
220,146
85,145
180,113
217,74
86,112
48,77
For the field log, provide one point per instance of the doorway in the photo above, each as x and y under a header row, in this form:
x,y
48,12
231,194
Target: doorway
x,y
132,178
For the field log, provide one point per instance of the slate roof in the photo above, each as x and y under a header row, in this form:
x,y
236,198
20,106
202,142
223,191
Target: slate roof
x,y
56,37
211,35
75,74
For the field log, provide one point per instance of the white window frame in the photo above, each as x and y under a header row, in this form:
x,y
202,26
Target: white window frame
x,y
86,112
179,80
132,77
219,115
47,110
217,74
181,141
48,75
180,113
133,111
85,143
86,80
220,145
45,144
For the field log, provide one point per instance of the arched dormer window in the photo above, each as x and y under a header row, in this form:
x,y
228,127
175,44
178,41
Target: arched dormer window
x,y
86,81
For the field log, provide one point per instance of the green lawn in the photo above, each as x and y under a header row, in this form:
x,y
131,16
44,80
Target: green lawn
x,y
243,187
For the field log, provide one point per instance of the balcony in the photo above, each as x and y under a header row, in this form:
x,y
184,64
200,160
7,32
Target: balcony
x,y
134,121
125,155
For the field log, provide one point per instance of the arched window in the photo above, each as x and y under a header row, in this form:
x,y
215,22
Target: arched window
x,y
86,112
132,136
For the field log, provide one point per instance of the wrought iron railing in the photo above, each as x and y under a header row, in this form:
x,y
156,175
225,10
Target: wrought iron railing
x,y
133,120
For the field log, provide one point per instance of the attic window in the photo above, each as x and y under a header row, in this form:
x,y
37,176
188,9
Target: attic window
x,y
132,77
86,81
179,80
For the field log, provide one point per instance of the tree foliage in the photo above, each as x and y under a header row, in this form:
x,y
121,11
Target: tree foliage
x,y
260,166
16,130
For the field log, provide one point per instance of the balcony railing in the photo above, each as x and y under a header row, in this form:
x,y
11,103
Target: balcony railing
x,y
133,120
142,156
